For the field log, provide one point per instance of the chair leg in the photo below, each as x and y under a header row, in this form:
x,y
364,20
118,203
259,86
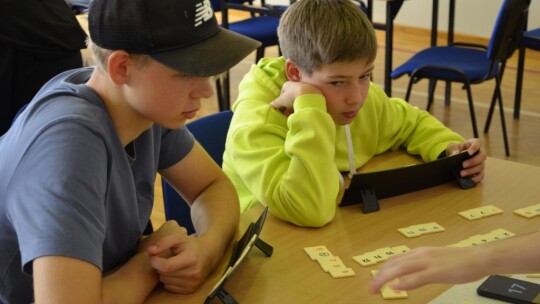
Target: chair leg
x,y
490,112
497,97
219,93
498,80
471,109
431,94
259,54
224,101
519,82
409,88
431,90
503,120
447,93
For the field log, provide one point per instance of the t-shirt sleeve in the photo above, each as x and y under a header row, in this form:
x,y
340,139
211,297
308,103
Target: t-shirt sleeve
x,y
175,145
58,190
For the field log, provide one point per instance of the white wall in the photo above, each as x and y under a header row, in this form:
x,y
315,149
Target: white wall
x,y
473,17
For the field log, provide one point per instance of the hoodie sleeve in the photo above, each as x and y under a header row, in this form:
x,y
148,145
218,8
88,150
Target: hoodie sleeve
x,y
401,125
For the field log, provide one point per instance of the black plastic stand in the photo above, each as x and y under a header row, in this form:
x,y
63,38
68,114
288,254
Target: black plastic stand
x,y
249,239
367,188
264,247
370,203
225,297
464,182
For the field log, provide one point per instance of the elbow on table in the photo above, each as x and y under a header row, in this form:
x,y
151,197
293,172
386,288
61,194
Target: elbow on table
x,y
303,209
317,222
312,219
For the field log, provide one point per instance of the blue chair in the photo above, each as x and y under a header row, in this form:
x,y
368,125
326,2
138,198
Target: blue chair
x,y
529,40
471,63
211,132
261,26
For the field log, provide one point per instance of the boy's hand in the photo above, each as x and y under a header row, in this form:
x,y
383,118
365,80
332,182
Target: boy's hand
x,y
181,261
167,229
474,166
289,91
426,265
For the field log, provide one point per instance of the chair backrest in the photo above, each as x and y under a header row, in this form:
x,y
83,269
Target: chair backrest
x,y
247,6
509,27
216,4
210,131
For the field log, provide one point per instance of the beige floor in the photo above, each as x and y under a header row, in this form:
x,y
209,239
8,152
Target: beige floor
x,y
524,134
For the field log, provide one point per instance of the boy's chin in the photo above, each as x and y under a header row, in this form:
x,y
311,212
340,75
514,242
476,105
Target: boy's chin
x,y
343,121
173,124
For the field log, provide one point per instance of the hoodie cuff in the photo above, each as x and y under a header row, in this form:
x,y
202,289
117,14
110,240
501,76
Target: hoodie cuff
x,y
313,101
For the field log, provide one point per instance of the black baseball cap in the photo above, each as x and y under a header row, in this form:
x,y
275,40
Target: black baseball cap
x,y
181,34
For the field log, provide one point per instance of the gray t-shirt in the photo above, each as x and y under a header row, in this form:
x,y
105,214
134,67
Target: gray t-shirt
x,y
69,188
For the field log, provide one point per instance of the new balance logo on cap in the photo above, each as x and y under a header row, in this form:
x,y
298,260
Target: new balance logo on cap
x,y
203,12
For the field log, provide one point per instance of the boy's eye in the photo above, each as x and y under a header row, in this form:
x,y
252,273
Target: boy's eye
x,y
336,83
366,77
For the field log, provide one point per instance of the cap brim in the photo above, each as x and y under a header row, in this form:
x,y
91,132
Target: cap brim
x,y
212,56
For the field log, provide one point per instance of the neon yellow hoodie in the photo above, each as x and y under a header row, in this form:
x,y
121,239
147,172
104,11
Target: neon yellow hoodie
x,y
291,164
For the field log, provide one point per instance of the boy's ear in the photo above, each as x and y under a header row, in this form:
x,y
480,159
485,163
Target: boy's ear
x,y
117,66
292,71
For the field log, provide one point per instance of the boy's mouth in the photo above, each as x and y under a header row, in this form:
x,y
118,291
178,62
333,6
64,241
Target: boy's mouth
x,y
190,114
350,114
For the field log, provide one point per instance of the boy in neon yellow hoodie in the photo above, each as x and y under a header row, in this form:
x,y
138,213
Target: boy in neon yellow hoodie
x,y
295,115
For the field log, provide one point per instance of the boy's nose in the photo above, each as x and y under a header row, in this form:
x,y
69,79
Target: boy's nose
x,y
356,96
204,89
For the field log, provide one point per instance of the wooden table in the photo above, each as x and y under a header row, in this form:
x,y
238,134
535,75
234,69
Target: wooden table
x,y
289,276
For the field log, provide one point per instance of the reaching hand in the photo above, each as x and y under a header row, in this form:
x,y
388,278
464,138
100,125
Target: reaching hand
x,y
426,265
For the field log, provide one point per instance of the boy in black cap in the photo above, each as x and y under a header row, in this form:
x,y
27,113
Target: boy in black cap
x,y
78,165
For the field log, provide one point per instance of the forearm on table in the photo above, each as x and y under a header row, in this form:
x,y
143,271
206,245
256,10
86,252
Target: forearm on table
x,y
422,133
131,282
519,254
215,213
62,279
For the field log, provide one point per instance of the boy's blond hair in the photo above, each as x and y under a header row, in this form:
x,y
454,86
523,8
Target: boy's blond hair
x,y
100,56
313,33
